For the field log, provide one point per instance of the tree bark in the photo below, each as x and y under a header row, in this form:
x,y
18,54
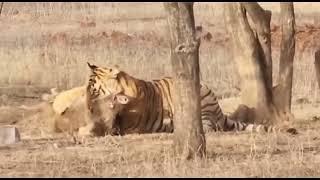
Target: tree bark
x,y
317,65
1,6
256,91
261,19
283,91
189,138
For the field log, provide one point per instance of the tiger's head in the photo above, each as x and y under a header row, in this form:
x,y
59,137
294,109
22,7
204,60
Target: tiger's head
x,y
103,81
106,111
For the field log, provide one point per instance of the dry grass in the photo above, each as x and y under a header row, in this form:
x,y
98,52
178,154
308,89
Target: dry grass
x,y
48,45
228,155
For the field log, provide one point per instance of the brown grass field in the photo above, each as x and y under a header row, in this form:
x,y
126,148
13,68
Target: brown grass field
x,y
45,45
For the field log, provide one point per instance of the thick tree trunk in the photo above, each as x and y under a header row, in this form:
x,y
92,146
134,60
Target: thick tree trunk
x,y
1,6
261,19
189,138
256,92
284,88
317,65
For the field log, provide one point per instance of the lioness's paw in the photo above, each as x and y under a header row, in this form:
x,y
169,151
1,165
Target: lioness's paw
x,y
85,132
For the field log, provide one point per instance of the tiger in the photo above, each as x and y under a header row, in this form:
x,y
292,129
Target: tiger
x,y
151,107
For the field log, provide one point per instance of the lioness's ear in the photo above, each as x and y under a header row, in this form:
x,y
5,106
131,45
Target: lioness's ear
x,y
92,66
122,99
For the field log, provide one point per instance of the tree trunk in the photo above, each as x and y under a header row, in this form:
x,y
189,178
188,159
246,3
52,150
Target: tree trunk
x,y
256,92
261,19
317,65
284,88
189,138
1,6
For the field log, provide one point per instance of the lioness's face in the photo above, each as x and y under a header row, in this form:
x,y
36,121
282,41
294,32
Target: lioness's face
x,y
106,110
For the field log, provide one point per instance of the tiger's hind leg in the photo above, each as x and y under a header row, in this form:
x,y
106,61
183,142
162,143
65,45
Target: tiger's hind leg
x,y
209,126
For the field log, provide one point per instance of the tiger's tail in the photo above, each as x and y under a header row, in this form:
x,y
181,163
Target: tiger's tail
x,y
231,125
269,128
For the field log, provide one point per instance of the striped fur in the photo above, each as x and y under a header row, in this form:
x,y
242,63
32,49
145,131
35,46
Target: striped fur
x,y
151,108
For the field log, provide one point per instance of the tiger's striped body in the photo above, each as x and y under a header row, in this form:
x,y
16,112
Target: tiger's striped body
x,y
151,108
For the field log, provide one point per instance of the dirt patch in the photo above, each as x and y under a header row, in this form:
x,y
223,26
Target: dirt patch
x,y
87,23
307,38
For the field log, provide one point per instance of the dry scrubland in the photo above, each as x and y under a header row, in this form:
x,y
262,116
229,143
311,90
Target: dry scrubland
x,y
46,45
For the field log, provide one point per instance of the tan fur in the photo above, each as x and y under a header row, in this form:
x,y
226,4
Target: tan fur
x,y
71,112
65,99
67,112
72,117
104,111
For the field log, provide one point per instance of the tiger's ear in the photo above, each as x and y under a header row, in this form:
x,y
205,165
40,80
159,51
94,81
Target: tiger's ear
x,y
92,66
115,71
122,99
110,105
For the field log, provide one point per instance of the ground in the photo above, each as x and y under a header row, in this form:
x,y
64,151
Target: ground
x,y
229,154
45,45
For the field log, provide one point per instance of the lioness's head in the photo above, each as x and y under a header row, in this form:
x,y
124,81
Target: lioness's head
x,y
106,110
